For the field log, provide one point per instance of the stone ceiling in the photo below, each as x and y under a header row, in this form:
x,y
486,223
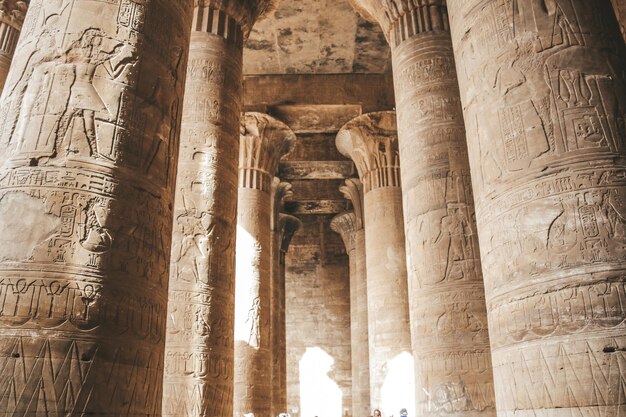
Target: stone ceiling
x,y
316,37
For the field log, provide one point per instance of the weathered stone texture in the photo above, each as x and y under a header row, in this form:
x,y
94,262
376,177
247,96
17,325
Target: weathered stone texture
x,y
446,294
371,142
12,14
542,87
199,347
89,132
264,140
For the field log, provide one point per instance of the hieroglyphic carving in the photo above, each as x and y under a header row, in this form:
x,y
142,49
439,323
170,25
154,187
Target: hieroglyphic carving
x,y
370,141
264,140
85,228
199,367
545,104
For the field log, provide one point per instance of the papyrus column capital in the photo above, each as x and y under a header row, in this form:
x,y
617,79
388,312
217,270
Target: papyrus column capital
x,y
353,191
345,224
264,140
245,12
371,141
403,19
280,191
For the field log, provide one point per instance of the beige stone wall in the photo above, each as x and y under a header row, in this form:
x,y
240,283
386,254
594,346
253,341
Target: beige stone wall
x,y
318,312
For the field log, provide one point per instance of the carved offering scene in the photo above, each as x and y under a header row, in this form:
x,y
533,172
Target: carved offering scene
x,y
312,208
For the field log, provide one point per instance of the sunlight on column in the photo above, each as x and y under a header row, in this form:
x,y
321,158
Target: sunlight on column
x,y
319,395
398,389
248,256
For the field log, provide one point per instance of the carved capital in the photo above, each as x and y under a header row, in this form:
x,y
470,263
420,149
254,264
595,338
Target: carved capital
x,y
13,12
280,191
371,141
346,225
264,140
353,191
288,226
245,13
403,19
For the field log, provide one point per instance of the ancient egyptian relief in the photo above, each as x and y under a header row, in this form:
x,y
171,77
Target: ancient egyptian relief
x,y
199,351
263,141
90,125
549,196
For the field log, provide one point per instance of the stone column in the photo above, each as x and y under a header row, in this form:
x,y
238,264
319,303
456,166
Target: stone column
x,y
619,6
542,86
12,13
264,140
199,348
280,191
350,227
288,226
446,292
90,124
371,142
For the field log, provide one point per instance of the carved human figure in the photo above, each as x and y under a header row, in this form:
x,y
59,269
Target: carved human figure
x,y
85,241
202,276
441,238
264,140
544,100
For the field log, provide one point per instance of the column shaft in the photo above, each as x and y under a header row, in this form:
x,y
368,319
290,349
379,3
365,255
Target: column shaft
x,y
264,141
360,335
387,301
90,128
371,141
253,368
199,347
542,86
446,293
350,227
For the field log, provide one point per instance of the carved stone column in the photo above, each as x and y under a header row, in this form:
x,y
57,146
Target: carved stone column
x,y
280,191
350,227
371,142
446,292
12,13
264,140
199,349
287,226
90,124
543,90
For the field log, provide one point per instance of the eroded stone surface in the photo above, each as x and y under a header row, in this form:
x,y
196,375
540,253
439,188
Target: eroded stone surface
x,y
371,142
446,294
315,36
199,347
90,124
264,140
619,6
544,100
